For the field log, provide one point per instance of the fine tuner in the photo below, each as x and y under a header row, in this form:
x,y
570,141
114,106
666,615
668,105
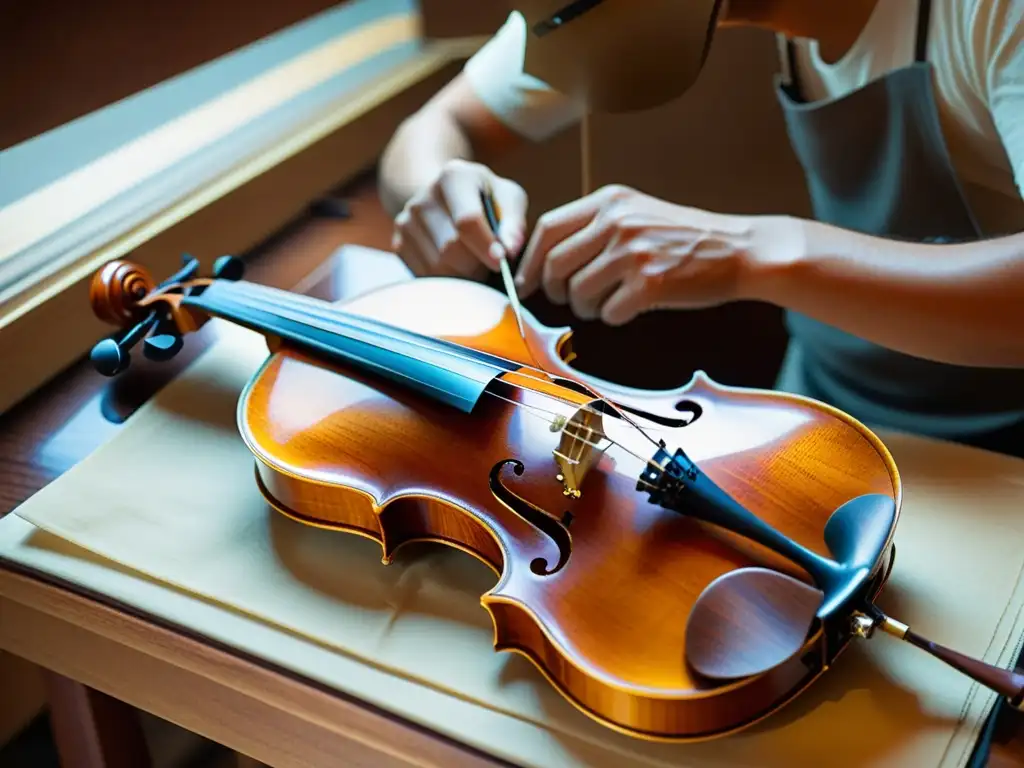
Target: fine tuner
x,y
678,563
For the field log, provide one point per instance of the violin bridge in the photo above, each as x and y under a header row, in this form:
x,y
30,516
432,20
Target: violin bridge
x,y
581,444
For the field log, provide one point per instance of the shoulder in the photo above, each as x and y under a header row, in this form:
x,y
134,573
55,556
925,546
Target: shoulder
x,y
527,105
982,42
983,38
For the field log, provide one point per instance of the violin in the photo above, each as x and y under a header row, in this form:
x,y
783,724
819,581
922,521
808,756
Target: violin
x,y
678,564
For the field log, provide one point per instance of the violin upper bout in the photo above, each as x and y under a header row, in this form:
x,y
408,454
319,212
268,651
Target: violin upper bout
x,y
466,312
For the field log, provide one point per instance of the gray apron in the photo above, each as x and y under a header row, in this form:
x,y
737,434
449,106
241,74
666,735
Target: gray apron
x,y
876,161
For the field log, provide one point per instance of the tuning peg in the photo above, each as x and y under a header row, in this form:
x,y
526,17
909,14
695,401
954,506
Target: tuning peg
x,y
189,269
228,268
108,358
162,347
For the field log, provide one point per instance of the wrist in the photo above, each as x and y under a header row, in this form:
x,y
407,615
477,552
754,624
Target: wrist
x,y
415,157
779,249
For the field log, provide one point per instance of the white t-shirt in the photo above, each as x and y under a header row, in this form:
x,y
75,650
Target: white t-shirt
x,y
976,48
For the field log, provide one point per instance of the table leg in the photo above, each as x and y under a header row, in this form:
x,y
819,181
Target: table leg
x,y
93,730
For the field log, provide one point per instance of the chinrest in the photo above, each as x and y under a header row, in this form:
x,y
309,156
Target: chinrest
x,y
750,620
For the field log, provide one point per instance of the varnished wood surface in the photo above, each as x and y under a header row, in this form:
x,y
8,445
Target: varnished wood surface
x,y
62,423
335,449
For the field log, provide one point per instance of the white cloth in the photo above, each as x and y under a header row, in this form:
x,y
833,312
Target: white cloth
x,y
975,47
205,552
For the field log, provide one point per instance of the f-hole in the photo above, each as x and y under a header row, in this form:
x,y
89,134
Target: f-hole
x,y
535,516
689,408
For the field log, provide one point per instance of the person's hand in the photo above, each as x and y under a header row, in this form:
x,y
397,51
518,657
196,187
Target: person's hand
x,y
443,230
618,252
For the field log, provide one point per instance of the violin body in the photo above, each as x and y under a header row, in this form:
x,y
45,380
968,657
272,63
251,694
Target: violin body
x,y
678,564
594,586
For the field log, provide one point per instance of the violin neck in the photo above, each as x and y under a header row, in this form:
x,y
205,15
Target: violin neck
x,y
440,369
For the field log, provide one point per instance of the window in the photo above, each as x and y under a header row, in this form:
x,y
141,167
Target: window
x,y
210,161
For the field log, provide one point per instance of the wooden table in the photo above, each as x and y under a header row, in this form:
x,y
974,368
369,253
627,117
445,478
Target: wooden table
x,y
104,658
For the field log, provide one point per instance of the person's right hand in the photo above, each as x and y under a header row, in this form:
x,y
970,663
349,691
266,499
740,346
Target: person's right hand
x,y
443,230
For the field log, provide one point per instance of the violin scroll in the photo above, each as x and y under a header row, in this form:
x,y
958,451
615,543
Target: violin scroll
x,y
117,289
123,293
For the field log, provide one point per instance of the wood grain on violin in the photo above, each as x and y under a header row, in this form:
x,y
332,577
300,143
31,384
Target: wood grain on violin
x,y
614,518
608,626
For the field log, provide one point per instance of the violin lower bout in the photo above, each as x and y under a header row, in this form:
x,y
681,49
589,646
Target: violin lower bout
x,y
652,718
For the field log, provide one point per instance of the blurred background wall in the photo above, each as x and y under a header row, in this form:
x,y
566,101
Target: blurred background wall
x,y
73,57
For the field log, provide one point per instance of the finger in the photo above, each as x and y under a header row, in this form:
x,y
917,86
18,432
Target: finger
x,y
448,250
460,193
431,262
628,301
408,252
591,286
409,244
553,227
511,201
572,254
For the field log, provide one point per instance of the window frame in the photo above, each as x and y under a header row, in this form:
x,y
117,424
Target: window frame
x,y
47,324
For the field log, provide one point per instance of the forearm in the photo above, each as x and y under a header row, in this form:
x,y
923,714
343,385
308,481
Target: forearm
x,y
956,303
416,155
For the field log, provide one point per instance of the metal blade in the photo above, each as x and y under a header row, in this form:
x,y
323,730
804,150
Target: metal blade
x,y
506,271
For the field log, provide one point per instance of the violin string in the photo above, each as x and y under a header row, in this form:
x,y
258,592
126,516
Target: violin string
x,y
513,299
284,298
529,409
584,407
538,367
659,471
418,340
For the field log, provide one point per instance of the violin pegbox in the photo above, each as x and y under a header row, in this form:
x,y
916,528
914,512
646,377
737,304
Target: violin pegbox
x,y
124,294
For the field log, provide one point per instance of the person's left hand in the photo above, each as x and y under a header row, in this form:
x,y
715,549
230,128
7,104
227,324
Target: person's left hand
x,y
618,252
